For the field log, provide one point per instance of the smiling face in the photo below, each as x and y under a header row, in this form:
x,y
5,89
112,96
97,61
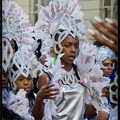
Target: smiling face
x,y
109,64
70,48
24,83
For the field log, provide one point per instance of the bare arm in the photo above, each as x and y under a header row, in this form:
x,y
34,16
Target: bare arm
x,y
90,110
45,91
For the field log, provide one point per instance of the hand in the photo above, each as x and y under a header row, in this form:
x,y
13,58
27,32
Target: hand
x,y
108,29
48,92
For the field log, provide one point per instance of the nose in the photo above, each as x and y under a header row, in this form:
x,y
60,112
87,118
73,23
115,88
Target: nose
x,y
110,66
3,78
25,82
73,49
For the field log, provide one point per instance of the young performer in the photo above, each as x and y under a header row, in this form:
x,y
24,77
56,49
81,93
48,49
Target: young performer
x,y
63,21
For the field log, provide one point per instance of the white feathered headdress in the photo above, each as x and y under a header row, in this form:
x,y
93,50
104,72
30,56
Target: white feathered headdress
x,y
14,21
25,60
60,18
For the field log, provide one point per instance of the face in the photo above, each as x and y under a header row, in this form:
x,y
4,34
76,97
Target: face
x,y
5,77
13,45
70,48
24,83
8,50
109,64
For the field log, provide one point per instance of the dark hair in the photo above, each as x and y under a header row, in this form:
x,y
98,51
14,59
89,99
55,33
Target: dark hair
x,y
31,99
16,46
35,80
9,114
37,51
31,95
76,74
98,44
75,69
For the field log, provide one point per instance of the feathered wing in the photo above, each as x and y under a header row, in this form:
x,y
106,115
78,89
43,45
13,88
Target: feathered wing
x,y
92,75
86,57
19,104
50,106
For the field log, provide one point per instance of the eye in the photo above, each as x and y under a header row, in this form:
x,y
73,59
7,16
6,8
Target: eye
x,y
105,64
111,64
77,46
13,48
67,46
29,78
20,79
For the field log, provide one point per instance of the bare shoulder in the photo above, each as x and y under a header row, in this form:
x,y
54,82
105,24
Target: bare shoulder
x,y
43,80
42,59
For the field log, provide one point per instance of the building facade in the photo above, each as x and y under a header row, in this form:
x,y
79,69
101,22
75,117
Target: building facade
x,y
91,8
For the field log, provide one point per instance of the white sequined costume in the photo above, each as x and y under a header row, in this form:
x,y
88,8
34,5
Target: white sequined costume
x,y
58,20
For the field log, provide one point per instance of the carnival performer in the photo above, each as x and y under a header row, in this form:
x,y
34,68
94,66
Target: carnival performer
x,y
15,24
72,69
6,58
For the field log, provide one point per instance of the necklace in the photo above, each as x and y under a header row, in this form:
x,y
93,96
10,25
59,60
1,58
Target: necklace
x,y
69,78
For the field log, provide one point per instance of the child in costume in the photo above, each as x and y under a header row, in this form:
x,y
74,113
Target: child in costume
x,y
103,57
21,98
15,24
6,58
72,70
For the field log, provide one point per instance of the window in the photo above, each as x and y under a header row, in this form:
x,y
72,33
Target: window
x,y
45,2
35,4
110,9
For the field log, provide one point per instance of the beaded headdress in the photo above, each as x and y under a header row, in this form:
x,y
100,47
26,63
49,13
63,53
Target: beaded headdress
x,y
14,21
25,63
103,53
20,65
56,21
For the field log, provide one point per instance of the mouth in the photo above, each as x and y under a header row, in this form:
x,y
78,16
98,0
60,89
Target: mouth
x,y
4,84
27,89
71,58
110,73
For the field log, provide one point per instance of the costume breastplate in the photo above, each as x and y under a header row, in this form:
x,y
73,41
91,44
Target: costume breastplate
x,y
72,104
